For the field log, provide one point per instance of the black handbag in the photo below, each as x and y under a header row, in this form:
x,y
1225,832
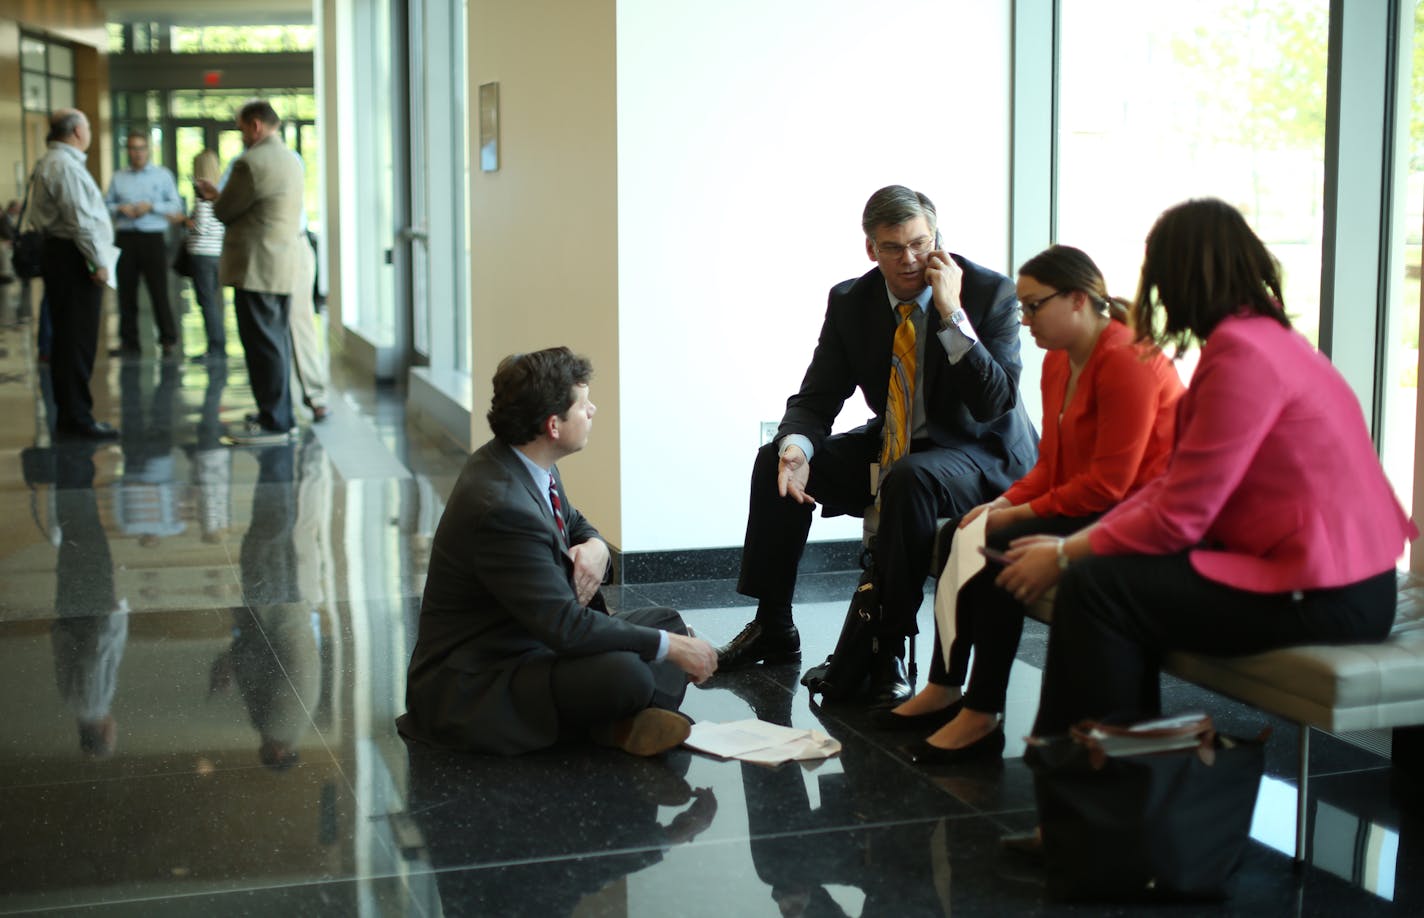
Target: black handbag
x,y
843,675
1161,810
183,260
27,254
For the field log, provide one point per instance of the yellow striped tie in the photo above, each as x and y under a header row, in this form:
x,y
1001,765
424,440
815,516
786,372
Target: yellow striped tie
x,y
902,391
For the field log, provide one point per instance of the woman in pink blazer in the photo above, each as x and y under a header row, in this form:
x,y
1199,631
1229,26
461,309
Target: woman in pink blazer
x,y
1273,524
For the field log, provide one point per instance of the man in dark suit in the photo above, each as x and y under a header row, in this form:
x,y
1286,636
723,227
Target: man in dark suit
x,y
968,435
515,648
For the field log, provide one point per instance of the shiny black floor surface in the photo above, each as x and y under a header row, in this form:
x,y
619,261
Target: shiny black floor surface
x,y
202,653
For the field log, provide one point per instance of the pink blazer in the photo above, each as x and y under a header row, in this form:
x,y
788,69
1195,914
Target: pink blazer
x,y
1273,484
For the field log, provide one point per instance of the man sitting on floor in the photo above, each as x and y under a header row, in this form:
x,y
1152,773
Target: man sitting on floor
x,y
516,649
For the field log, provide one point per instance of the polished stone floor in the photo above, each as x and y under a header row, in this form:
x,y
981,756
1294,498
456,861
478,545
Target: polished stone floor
x,y
202,651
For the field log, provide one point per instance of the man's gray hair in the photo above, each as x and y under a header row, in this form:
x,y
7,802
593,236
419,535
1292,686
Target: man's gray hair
x,y
62,125
896,204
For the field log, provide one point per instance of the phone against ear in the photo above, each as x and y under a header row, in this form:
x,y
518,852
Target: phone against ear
x,y
995,555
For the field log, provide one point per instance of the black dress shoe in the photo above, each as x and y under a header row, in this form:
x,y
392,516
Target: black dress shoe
x,y
1024,844
886,719
988,746
759,644
888,685
94,430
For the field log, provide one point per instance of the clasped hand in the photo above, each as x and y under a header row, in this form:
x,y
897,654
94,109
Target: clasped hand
x,y
1033,568
590,562
792,474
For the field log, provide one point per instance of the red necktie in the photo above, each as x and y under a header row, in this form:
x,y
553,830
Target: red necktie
x,y
558,511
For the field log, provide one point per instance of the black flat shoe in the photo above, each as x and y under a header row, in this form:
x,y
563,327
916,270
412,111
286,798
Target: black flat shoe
x,y
759,644
988,746
886,719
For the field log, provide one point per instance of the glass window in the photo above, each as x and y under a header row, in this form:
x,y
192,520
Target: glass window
x,y
1162,102
61,61
1401,380
33,87
61,93
32,53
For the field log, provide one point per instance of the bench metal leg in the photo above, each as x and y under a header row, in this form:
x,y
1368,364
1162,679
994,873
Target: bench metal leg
x,y
1302,790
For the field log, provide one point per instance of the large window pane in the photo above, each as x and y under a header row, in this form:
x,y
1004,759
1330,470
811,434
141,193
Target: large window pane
x,y
1160,102
1402,356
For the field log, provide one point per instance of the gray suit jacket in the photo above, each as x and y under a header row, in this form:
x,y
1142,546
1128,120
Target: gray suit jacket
x,y
499,610
261,205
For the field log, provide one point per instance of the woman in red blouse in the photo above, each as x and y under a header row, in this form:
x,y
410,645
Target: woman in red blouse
x,y
1108,408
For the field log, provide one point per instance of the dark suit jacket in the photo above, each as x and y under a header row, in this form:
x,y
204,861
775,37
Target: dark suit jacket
x,y
973,405
499,609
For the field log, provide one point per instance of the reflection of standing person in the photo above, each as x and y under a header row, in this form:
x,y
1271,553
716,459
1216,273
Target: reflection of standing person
x,y
91,626
274,622
261,206
146,500
79,247
143,200
204,242
212,461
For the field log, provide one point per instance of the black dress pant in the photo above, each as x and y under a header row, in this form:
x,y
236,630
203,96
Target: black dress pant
x,y
262,326
74,302
144,255
605,687
928,483
1116,616
990,620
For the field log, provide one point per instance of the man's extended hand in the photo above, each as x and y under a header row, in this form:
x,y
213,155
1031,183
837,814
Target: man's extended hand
x,y
590,562
205,189
945,278
693,656
792,474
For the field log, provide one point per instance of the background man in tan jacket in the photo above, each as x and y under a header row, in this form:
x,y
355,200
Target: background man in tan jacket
x,y
261,206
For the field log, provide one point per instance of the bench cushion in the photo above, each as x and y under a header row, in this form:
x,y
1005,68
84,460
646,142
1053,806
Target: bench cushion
x,y
1347,687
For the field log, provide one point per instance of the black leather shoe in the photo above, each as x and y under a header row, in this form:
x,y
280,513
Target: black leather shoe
x,y
94,430
988,746
888,685
886,719
1024,844
758,644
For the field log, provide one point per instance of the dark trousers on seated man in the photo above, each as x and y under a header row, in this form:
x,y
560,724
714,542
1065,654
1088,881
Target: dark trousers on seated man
x,y
928,483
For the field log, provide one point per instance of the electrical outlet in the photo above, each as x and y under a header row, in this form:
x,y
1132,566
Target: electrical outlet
x,y
768,431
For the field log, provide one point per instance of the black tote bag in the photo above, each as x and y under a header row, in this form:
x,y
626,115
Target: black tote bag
x,y
1121,823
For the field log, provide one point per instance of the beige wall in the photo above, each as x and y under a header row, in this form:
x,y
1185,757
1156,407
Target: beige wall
x,y
77,21
544,228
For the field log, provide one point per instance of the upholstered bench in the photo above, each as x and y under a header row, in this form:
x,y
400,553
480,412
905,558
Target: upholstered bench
x,y
1332,688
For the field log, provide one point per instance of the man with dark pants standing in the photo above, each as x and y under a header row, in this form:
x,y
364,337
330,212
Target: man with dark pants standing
x,y
261,207
516,648
143,200
68,208
932,342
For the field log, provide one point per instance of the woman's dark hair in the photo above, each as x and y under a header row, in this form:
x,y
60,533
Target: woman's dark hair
x,y
1070,270
528,388
1203,263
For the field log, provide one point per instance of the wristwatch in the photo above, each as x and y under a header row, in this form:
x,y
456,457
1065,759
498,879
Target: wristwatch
x,y
1063,559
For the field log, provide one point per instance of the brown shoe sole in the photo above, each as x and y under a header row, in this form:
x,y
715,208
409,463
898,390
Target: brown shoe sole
x,y
652,731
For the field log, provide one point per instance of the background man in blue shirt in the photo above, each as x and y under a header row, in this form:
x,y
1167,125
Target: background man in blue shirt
x,y
143,200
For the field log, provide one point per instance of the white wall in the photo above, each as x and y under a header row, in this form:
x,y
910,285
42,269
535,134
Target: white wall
x,y
749,136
